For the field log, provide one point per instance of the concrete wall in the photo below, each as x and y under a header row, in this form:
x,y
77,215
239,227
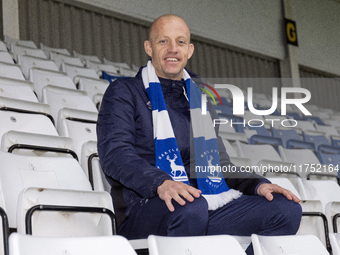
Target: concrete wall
x,y
255,25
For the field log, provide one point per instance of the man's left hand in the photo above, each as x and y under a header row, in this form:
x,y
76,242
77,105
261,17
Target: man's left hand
x,y
266,190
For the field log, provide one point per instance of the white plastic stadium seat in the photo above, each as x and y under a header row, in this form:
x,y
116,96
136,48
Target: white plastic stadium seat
x,y
93,86
39,213
19,172
3,46
307,163
29,62
333,209
234,158
37,144
86,57
26,43
328,130
19,50
123,69
258,152
101,67
116,64
92,167
75,71
42,78
335,243
79,125
4,231
264,157
313,221
228,132
198,245
6,57
289,245
48,50
17,89
59,98
104,245
25,116
59,58
11,71
324,190
127,72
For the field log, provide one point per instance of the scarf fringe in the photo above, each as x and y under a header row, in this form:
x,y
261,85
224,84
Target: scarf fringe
x,y
218,200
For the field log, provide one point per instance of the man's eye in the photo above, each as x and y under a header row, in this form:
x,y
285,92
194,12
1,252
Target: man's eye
x,y
162,41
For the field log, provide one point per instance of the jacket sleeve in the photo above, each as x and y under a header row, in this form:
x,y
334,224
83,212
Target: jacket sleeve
x,y
116,133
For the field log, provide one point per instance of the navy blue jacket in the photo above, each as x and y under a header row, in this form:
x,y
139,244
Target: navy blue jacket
x,y
126,144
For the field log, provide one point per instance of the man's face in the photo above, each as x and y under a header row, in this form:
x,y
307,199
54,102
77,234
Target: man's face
x,y
169,47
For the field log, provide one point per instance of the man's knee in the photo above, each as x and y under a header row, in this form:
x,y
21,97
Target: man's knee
x,y
288,213
190,219
198,209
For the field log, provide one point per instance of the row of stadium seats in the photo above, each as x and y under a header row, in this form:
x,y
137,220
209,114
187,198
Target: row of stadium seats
x,y
300,153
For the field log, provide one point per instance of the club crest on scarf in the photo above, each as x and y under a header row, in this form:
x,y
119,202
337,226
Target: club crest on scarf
x,y
212,166
171,162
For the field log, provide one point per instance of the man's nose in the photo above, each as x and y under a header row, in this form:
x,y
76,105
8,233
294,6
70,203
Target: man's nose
x,y
173,46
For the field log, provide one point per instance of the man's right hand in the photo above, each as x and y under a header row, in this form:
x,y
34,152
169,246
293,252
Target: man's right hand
x,y
178,191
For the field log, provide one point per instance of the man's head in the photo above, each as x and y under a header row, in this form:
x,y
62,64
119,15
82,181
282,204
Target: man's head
x,y
169,46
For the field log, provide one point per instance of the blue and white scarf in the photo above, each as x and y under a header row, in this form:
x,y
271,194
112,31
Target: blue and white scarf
x,y
168,158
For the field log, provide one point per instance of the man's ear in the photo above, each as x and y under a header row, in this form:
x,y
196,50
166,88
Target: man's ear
x,y
191,50
147,47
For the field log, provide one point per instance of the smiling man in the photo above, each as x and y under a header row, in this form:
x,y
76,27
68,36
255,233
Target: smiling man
x,y
169,46
146,149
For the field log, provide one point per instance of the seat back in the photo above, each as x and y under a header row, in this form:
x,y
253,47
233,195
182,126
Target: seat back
x,y
198,245
59,98
298,244
74,71
285,135
6,57
333,209
37,144
316,140
19,172
313,221
101,67
93,86
17,89
3,46
20,50
103,245
303,158
60,58
11,71
4,230
65,212
25,116
29,62
334,238
42,78
324,190
258,152
328,130
91,164
79,125
48,50
83,57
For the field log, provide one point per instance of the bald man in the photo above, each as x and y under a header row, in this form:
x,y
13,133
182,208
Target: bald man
x,y
146,199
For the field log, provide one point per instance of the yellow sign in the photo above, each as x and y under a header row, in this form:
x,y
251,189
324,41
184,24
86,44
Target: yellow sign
x,y
291,33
